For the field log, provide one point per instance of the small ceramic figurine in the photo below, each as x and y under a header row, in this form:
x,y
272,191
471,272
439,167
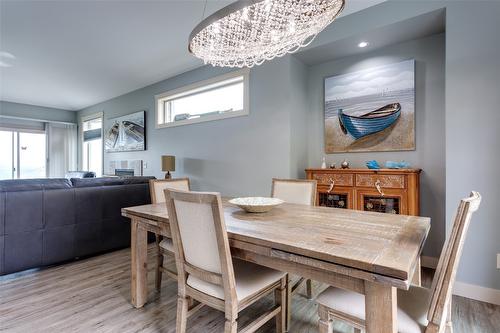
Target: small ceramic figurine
x,y
332,166
397,165
345,164
372,164
323,164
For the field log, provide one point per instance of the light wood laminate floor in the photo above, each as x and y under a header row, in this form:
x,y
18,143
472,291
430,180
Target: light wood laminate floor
x,y
93,295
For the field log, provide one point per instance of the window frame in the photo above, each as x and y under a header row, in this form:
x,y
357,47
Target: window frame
x,y
80,138
160,100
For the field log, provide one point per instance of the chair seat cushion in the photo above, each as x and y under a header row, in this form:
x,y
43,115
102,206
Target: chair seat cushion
x,y
412,306
250,279
167,245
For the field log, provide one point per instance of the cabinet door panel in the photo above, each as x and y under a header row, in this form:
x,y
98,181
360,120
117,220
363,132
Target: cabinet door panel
x,y
392,201
337,197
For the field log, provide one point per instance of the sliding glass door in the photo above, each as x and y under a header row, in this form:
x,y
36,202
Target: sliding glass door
x,y
32,155
24,154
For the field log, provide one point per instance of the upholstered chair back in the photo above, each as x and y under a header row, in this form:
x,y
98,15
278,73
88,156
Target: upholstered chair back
x,y
448,263
295,191
200,239
157,186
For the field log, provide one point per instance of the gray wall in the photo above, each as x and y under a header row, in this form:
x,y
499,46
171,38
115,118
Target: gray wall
x,y
430,122
473,131
236,156
36,112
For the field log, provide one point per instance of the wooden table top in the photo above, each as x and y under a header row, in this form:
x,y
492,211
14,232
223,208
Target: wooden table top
x,y
384,244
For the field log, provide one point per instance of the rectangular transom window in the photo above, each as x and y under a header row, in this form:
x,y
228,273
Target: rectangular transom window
x,y
217,98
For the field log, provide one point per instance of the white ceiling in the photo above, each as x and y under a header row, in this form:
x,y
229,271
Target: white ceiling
x,y
71,54
417,27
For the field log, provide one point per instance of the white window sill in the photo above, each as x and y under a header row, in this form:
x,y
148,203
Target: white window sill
x,y
204,119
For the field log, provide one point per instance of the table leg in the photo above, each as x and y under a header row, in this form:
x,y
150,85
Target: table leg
x,y
381,308
417,275
139,276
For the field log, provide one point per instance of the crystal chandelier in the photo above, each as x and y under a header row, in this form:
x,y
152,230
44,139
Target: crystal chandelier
x,y
248,32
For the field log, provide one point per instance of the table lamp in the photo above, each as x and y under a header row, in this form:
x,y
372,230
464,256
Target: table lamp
x,y
167,165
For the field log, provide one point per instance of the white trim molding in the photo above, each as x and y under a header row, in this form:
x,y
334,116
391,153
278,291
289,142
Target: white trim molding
x,y
478,293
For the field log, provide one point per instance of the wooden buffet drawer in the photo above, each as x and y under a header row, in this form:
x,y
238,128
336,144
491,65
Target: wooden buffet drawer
x,y
344,179
386,181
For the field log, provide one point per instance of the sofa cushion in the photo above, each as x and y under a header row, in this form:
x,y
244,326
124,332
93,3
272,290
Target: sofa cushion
x,y
59,208
23,211
88,202
93,182
109,181
88,239
16,185
22,251
58,244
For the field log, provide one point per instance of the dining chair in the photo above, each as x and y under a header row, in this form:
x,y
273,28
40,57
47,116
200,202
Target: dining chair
x,y
165,245
296,191
419,309
206,271
302,192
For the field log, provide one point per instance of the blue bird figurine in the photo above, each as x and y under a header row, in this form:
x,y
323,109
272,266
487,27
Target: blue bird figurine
x,y
372,164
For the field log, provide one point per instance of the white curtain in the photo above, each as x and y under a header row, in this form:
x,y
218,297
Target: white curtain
x,y
62,148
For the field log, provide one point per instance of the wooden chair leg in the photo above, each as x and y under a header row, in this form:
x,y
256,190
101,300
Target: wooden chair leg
x,y
182,311
159,264
325,325
309,288
288,303
230,327
280,299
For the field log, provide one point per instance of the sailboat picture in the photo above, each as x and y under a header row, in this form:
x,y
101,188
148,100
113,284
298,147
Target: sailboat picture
x,y
126,133
371,110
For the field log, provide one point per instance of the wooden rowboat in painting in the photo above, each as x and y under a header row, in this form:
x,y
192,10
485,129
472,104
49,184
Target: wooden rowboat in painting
x,y
371,122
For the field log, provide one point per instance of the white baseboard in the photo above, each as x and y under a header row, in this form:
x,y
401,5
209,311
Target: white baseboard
x,y
477,292
429,262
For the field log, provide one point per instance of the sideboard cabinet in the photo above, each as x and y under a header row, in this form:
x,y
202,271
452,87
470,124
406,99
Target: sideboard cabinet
x,y
394,191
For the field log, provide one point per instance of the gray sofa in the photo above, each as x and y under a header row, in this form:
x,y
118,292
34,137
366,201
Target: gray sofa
x,y
48,221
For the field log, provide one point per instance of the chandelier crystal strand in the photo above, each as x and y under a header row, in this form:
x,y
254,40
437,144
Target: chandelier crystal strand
x,y
249,32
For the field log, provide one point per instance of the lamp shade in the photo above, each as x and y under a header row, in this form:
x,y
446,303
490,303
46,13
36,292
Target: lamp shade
x,y
168,163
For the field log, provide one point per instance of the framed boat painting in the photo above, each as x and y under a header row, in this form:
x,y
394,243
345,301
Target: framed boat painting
x,y
126,133
371,110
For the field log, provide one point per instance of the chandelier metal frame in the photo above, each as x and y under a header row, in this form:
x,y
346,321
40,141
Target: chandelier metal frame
x,y
240,5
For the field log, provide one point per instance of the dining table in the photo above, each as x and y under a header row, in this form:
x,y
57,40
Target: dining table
x,y
366,252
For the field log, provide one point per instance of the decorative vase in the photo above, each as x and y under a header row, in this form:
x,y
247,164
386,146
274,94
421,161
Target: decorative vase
x,y
345,164
323,164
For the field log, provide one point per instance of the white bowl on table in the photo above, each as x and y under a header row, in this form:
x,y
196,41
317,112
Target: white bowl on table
x,y
256,204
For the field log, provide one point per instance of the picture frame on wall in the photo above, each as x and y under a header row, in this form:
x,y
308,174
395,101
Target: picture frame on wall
x,y
125,133
372,110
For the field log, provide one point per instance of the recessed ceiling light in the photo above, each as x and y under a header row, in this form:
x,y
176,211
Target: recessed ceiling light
x,y
363,44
